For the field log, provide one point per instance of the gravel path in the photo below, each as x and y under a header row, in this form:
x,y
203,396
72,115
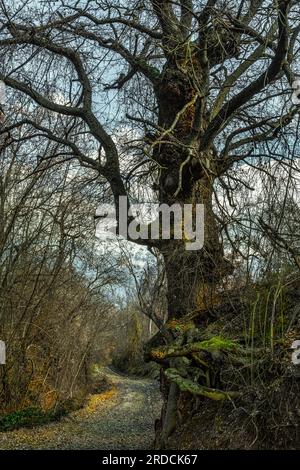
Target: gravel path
x,y
121,418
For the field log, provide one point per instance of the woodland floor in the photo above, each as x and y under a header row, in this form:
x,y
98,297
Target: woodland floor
x,y
120,418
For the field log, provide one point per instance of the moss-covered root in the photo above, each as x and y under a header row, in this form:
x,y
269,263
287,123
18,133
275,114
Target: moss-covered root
x,y
211,345
186,385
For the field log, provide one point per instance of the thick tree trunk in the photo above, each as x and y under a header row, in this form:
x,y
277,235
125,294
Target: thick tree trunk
x,y
193,276
187,177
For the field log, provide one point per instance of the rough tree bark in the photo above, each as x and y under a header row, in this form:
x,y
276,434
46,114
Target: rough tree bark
x,y
187,177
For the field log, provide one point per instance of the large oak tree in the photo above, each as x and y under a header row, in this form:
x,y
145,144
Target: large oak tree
x,y
200,84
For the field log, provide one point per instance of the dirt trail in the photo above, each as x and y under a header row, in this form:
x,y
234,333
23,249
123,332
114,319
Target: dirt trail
x,y
122,418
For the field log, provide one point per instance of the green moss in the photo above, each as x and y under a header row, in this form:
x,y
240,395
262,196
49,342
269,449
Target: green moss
x,y
153,70
28,417
194,388
216,344
35,416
